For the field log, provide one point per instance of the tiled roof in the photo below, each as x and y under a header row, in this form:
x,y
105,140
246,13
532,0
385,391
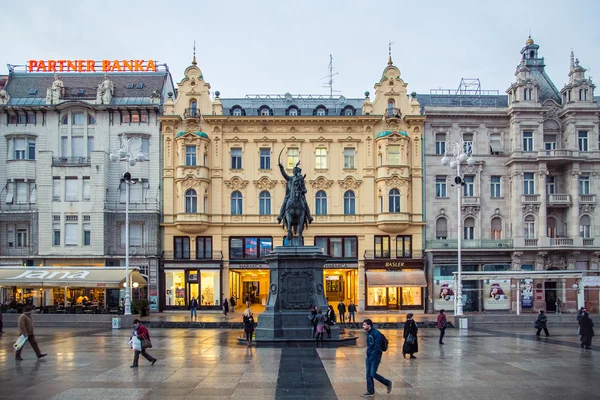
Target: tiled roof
x,y
278,104
387,133
201,134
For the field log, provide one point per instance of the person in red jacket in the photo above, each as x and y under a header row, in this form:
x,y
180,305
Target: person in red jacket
x,y
142,334
442,324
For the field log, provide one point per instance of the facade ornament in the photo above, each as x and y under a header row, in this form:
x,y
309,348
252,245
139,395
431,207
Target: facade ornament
x,y
595,260
555,261
543,174
4,97
469,210
396,181
587,209
55,92
264,183
349,183
321,183
575,175
106,91
189,182
236,183
540,260
531,208
572,260
516,260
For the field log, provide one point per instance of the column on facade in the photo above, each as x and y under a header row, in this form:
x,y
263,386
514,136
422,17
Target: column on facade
x,y
573,222
361,287
541,189
516,204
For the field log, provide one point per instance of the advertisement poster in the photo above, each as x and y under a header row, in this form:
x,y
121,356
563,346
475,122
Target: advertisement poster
x,y
527,293
496,294
443,294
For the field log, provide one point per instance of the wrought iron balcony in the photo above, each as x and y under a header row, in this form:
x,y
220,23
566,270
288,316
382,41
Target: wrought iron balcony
x,y
191,113
469,244
392,255
71,162
21,251
142,250
191,255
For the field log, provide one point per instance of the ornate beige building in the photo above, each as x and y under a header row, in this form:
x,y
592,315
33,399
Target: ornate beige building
x,y
223,191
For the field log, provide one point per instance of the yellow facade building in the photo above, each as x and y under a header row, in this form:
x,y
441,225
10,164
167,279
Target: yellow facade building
x,y
223,190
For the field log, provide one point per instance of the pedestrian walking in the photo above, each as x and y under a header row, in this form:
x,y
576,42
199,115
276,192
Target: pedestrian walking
x,y
541,324
411,343
225,307
580,313
141,334
321,324
558,303
312,317
351,312
193,307
232,303
586,328
442,323
248,326
330,320
342,311
374,353
26,328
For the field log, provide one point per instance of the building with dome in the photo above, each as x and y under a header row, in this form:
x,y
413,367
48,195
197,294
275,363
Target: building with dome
x,y
223,191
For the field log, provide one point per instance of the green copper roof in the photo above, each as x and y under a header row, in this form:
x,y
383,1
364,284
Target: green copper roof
x,y
201,134
387,133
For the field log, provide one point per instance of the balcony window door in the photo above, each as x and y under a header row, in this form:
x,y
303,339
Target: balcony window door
x,y
583,140
182,247
469,229
584,185
403,246
529,227
203,248
551,227
496,229
550,185
528,141
469,187
441,228
382,246
190,155
191,201
528,183
394,201
585,227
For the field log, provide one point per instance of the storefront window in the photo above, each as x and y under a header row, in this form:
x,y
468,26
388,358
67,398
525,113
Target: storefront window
x,y
175,288
392,296
193,285
249,247
210,287
443,290
376,297
411,296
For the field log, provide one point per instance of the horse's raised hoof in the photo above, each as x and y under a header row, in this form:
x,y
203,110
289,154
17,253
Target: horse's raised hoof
x,y
279,219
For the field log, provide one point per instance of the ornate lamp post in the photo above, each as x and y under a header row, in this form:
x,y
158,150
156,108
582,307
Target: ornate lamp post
x,y
457,153
125,152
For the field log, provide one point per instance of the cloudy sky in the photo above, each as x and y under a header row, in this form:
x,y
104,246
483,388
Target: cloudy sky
x,y
272,47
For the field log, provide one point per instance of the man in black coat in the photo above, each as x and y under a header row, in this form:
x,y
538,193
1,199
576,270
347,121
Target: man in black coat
x,y
586,330
342,311
411,345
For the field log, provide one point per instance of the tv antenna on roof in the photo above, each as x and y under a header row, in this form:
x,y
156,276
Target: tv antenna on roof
x,y
329,78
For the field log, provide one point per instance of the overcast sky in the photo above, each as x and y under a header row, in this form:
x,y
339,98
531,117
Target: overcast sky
x,y
272,47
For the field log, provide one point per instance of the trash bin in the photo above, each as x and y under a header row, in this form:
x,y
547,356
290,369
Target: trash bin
x,y
116,323
463,323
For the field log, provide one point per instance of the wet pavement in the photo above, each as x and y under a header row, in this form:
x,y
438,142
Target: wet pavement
x,y
208,364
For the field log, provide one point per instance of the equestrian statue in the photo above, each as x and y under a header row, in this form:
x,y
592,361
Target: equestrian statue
x,y
294,212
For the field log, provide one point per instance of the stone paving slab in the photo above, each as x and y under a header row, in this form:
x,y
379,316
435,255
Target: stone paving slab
x,y
474,364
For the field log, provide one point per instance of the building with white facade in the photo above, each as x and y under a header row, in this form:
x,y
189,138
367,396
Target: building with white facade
x,y
62,201
529,201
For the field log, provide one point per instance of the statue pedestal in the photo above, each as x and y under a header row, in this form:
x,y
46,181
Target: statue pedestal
x,y
296,274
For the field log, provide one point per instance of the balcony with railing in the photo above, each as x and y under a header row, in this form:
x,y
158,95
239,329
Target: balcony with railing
x,y
469,244
148,205
394,222
470,200
18,251
191,113
18,207
588,242
530,198
192,255
561,242
558,200
587,199
141,250
392,255
71,162
393,113
531,242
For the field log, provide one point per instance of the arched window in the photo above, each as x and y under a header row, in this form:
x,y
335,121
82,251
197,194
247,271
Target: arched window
x,y
321,203
441,228
321,112
394,201
551,227
65,119
191,201
91,120
293,111
585,227
496,232
264,111
264,203
236,203
391,106
529,227
193,105
349,203
237,112
469,229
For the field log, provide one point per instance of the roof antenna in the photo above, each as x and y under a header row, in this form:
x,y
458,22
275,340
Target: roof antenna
x,y
329,78
390,44
194,59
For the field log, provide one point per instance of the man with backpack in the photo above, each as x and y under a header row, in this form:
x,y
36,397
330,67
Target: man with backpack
x,y
376,345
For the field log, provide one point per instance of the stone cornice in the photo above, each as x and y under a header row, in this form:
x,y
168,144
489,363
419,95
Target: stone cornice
x,y
235,139
287,120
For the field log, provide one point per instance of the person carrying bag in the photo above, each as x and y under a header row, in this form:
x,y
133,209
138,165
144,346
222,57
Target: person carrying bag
x,y
140,341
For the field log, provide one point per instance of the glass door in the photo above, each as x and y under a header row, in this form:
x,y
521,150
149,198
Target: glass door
x,y
392,298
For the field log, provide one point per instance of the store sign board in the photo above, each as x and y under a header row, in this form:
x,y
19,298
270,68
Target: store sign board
x,y
59,275
591,281
91,66
340,265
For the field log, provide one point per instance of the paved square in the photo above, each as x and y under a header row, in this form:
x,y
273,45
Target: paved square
x,y
209,364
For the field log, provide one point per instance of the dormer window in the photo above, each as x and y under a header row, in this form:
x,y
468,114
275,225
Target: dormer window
x,y
320,111
264,111
348,111
237,112
391,106
293,112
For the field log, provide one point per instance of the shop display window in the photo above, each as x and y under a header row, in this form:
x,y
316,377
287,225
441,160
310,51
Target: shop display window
x,y
210,287
249,247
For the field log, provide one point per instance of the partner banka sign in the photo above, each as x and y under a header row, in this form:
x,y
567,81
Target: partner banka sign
x,y
60,275
91,66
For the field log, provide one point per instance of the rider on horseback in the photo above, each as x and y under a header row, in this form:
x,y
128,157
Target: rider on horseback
x,y
297,175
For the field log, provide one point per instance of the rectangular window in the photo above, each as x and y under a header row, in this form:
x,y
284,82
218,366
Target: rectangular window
x,y
56,234
64,146
20,149
31,150
382,247
78,146
496,146
583,141
21,192
249,247
86,188
550,185
349,158
469,187
146,147
125,118
71,189
87,234
394,155
135,117
90,147
265,158
468,143
203,248
321,158
236,158
71,234
10,236
528,141
144,118
440,186
190,155
135,234
403,246
528,183
338,247
182,247
440,143
293,156
145,189
495,186
584,185
21,236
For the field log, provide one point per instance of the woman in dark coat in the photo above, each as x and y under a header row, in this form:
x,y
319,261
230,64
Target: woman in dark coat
x,y
225,306
586,330
248,326
330,320
410,328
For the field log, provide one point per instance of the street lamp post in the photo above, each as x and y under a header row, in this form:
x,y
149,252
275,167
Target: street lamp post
x,y
457,153
125,152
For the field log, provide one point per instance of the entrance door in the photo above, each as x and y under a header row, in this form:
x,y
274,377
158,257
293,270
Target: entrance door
x,y
550,296
392,293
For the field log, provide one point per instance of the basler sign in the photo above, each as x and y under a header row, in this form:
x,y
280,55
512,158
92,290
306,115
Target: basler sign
x,y
59,275
91,66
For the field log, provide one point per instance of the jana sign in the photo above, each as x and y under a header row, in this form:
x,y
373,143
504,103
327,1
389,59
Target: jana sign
x,y
91,66
31,274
